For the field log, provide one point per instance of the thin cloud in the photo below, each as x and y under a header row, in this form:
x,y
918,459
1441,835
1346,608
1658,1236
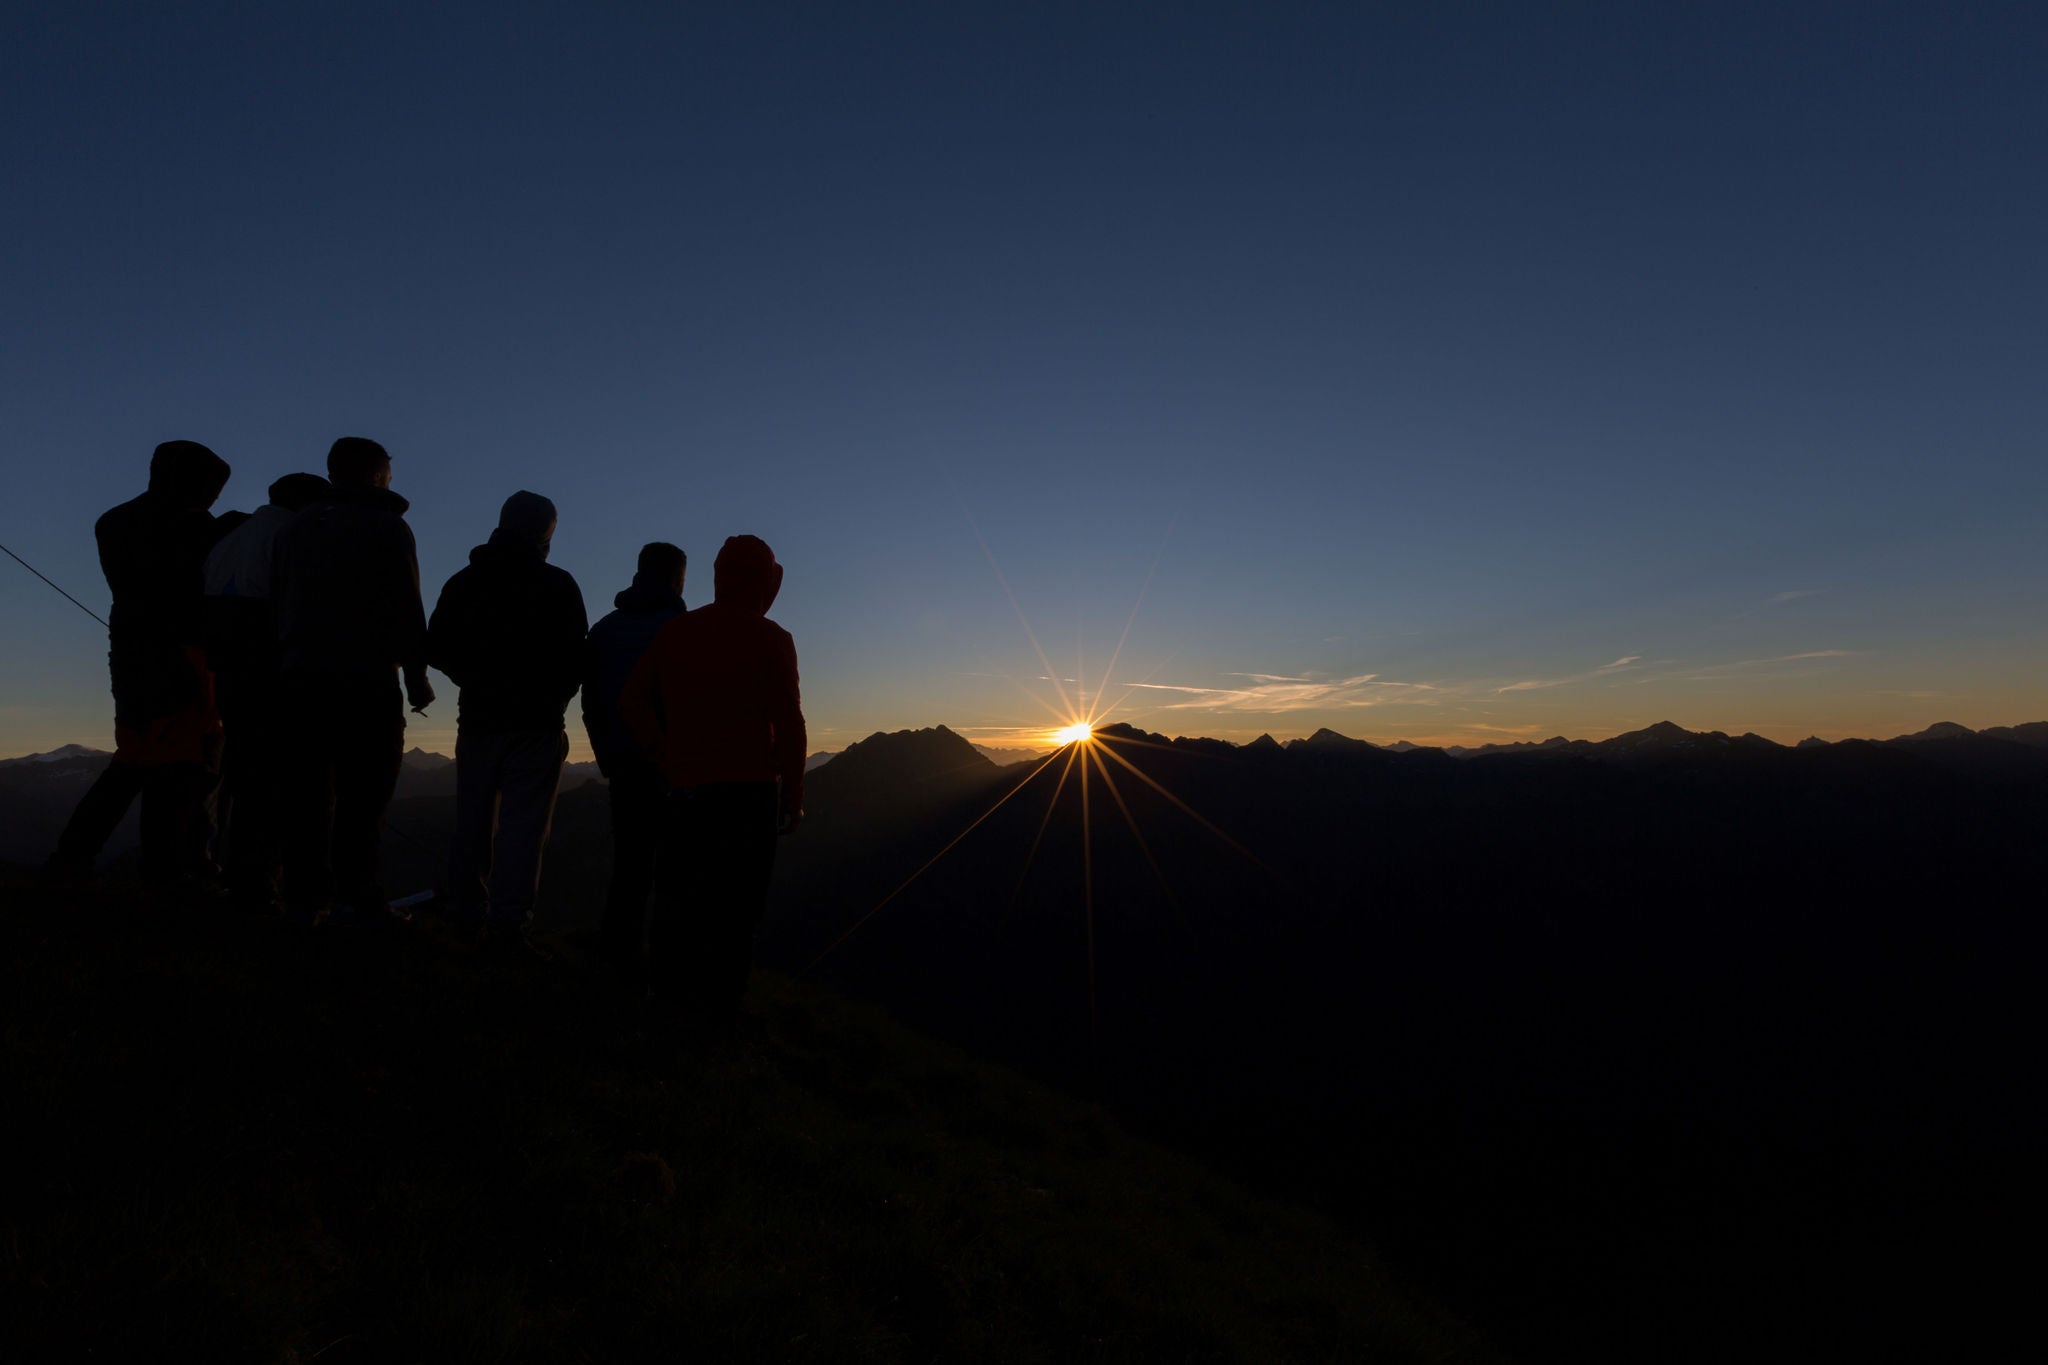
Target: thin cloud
x,y
1621,665
1738,667
1272,693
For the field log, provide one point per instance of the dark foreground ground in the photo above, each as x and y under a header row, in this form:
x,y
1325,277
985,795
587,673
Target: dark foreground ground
x,y
235,1142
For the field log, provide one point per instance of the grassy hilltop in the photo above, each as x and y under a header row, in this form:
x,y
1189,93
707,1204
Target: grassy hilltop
x,y
236,1142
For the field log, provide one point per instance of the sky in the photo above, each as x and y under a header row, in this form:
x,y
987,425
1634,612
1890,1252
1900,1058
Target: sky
x,y
1441,373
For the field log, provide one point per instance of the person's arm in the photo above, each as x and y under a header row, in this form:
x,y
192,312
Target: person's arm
x,y
593,704
786,714
575,631
444,642
412,628
640,704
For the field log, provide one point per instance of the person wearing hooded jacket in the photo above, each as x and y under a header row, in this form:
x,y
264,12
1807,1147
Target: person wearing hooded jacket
x,y
346,585
615,647
241,648
508,630
166,728
716,702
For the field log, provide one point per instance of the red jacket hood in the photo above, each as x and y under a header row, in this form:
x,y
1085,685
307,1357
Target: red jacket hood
x,y
745,575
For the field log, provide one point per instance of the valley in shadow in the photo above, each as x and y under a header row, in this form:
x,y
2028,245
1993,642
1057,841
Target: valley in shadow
x,y
1671,1046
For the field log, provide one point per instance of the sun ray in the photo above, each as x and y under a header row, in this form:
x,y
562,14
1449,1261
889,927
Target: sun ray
x,y
1040,702
1088,896
1132,619
1143,847
1192,813
1081,711
1051,673
1147,744
1159,668
1073,752
928,863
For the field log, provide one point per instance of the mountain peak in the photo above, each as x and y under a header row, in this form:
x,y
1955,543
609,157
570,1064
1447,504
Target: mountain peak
x,y
1663,735
1328,738
897,757
62,754
1941,729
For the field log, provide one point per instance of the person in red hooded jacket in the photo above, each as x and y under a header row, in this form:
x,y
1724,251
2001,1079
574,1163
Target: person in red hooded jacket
x,y
715,702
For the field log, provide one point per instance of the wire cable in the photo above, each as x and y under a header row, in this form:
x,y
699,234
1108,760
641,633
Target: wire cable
x,y
60,592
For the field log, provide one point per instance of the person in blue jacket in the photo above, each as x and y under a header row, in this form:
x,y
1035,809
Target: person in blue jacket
x,y
508,631
638,793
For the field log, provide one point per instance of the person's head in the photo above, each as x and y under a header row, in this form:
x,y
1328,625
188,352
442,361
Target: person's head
x,y
358,462
188,473
528,519
297,492
663,564
745,574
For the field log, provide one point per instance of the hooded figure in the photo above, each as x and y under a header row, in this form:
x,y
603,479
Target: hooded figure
x,y
508,630
346,586
241,646
166,731
716,702
241,615
633,784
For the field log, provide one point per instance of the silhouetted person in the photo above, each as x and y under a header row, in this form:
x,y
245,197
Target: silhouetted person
x,y
509,631
638,794
716,701
349,622
242,649
166,730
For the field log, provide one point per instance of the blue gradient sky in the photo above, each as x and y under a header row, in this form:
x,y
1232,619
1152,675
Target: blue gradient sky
x,y
1577,372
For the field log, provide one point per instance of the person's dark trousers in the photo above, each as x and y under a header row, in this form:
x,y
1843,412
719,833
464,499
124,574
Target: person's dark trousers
x,y
505,787
639,806
173,797
251,782
343,760
714,878
151,679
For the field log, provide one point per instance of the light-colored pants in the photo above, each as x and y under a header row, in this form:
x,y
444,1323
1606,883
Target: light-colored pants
x,y
505,785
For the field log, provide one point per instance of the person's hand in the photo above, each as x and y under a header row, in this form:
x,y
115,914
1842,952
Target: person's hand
x,y
788,819
419,694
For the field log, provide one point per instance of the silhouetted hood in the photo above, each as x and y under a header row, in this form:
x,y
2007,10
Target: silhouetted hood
x,y
526,519
650,592
746,575
187,473
297,492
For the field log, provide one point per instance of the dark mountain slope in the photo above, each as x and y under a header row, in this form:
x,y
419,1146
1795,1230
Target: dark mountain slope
x,y
1592,1008
239,1145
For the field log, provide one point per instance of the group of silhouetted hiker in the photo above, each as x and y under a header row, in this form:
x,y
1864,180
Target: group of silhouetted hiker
x,y
262,663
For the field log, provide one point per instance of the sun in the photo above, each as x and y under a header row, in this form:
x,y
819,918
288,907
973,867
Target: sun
x,y
1069,734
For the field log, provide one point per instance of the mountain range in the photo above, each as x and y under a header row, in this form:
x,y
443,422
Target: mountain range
x,y
1589,1037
